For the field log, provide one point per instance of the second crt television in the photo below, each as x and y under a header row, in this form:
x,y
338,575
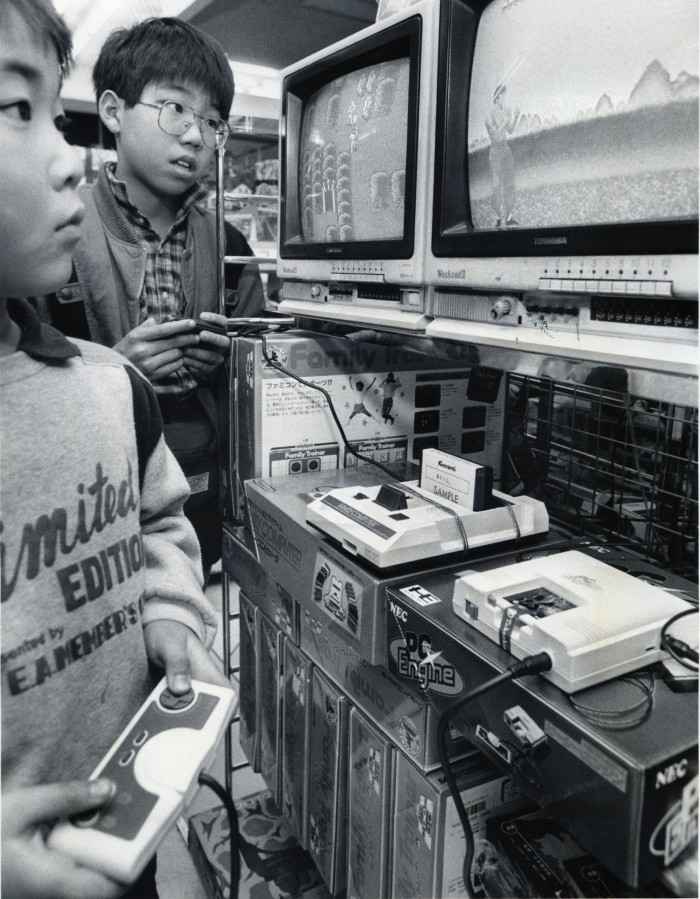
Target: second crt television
x,y
565,205
356,130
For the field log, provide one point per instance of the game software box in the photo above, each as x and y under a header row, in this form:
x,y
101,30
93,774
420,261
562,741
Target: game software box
x,y
392,402
370,819
328,781
408,719
249,706
615,764
262,590
428,839
296,719
270,699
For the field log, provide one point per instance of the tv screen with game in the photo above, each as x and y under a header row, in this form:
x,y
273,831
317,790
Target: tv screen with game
x,y
357,121
352,153
568,128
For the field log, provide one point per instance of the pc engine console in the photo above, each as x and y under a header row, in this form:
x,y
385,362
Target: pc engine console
x,y
594,621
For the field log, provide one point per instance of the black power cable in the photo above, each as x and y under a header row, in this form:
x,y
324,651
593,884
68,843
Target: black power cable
x,y
530,665
679,649
235,873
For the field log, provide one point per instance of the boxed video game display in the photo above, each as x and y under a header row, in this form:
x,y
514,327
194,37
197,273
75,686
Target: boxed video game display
x,y
298,559
370,819
392,402
316,572
615,764
328,775
296,718
249,704
428,839
408,719
270,642
253,579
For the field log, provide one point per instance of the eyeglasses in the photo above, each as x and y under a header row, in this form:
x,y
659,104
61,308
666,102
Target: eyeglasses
x,y
175,118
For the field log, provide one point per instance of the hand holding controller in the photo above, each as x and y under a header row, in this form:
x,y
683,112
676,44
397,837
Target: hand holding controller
x,y
155,764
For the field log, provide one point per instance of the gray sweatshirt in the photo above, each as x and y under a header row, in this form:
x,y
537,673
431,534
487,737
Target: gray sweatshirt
x,y
93,545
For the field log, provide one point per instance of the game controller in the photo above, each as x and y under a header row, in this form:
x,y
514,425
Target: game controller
x,y
155,763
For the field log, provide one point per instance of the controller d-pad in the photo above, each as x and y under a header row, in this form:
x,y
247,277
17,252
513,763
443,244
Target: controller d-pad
x,y
176,703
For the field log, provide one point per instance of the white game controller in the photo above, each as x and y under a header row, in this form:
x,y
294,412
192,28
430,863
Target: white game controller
x,y
155,763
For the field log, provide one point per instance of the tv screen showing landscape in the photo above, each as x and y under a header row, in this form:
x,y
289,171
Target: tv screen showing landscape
x,y
583,113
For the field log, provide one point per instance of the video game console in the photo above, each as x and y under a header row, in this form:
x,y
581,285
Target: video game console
x,y
389,525
594,621
155,763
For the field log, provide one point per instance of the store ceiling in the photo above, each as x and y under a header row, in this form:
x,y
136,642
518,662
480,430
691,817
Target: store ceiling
x,y
276,33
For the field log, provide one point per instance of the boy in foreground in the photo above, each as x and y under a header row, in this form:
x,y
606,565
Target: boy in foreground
x,y
100,570
146,264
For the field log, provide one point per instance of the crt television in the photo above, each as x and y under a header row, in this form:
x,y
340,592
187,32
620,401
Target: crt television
x,y
566,164
356,126
568,138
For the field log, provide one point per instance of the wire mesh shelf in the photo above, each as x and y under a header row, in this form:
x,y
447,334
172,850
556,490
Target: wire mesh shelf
x,y
607,464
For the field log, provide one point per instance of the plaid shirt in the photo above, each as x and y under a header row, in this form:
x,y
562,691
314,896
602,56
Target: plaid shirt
x,y
162,296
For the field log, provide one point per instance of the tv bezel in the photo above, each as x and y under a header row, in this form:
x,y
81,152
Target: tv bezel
x,y
670,237
401,39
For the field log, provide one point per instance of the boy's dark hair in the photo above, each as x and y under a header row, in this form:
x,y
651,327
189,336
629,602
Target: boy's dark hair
x,y
46,25
163,51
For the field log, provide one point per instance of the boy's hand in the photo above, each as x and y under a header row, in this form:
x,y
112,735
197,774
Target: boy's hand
x,y
203,360
173,646
157,350
30,870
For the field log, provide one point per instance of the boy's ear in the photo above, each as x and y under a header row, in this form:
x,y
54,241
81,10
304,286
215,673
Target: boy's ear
x,y
110,107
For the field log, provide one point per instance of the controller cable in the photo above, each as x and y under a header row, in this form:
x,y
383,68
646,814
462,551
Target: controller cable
x,y
529,665
235,872
684,654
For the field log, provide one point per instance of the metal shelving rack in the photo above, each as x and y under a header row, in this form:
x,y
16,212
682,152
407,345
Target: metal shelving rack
x,y
609,465
231,612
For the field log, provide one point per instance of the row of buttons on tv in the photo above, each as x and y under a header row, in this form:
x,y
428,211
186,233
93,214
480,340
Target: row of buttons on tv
x,y
583,285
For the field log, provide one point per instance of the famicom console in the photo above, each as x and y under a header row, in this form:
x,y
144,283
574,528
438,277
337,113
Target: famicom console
x,y
450,511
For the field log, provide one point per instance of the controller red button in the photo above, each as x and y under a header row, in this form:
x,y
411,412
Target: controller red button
x,y
176,703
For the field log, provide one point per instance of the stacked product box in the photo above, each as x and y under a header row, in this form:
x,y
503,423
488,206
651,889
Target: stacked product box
x,y
409,720
296,719
298,560
428,840
260,588
340,601
532,855
392,403
370,787
249,707
328,769
270,702
616,765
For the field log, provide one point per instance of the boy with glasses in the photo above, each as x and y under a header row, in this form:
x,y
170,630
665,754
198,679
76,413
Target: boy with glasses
x,y
99,567
146,264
